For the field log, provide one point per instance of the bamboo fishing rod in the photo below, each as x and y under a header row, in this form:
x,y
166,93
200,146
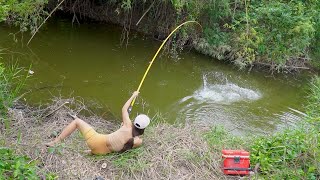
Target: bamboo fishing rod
x,y
155,56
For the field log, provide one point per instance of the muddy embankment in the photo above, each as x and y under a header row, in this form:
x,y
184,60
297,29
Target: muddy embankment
x,y
154,18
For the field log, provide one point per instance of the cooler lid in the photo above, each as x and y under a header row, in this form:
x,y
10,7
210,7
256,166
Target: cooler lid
x,y
235,152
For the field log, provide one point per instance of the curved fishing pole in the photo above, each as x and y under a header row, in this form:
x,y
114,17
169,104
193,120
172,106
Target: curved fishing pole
x,y
156,54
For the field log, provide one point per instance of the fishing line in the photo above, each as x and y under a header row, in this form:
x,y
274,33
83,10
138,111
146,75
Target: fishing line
x,y
155,55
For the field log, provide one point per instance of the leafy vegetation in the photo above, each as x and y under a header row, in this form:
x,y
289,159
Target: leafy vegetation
x,y
294,153
274,32
25,14
282,34
14,166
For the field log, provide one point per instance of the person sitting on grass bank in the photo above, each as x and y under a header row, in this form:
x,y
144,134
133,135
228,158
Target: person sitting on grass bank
x,y
125,138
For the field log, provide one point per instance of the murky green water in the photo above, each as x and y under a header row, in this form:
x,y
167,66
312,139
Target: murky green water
x,y
88,61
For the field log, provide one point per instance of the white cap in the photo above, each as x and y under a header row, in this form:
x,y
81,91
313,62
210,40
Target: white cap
x,y
141,121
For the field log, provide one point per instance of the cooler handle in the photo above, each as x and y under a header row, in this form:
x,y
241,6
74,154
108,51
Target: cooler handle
x,y
238,169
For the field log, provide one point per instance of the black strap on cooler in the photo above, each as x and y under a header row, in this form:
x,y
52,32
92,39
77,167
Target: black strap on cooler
x,y
238,169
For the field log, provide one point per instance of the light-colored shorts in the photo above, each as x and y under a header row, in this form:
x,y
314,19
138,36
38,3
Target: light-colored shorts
x,y
96,142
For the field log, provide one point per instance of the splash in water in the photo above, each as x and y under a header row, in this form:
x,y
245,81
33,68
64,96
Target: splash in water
x,y
223,93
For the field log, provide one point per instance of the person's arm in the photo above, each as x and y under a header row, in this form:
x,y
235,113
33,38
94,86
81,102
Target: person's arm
x,y
137,141
125,115
132,143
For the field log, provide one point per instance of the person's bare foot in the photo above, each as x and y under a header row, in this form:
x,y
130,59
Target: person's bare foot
x,y
88,152
53,143
50,144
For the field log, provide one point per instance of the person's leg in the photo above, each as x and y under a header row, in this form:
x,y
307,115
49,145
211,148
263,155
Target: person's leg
x,y
69,129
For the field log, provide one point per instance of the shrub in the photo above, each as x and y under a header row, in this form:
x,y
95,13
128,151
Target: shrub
x,y
294,153
291,154
16,167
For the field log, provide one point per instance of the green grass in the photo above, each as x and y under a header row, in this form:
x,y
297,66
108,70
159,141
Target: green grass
x,y
218,138
132,160
12,80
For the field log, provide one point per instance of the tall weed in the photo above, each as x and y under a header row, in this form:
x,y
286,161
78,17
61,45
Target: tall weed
x,y
314,98
12,80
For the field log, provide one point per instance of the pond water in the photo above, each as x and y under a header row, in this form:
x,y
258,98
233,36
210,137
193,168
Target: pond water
x,y
88,61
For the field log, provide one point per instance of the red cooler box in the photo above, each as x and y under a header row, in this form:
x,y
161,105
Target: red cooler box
x,y
236,162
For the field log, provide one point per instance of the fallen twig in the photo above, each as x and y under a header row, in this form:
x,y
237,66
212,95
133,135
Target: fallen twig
x,y
67,102
145,13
